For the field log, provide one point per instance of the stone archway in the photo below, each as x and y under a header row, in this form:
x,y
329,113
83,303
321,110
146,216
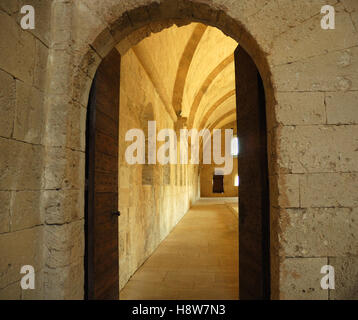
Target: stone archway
x,y
133,25
311,110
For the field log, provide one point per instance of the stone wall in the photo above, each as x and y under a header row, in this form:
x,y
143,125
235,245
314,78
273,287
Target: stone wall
x,y
23,62
297,60
311,87
152,198
316,156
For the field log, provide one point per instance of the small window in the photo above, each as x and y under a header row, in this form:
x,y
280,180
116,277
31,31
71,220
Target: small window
x,y
236,181
218,184
235,146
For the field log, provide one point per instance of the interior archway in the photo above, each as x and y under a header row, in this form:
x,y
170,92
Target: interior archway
x,y
309,75
127,31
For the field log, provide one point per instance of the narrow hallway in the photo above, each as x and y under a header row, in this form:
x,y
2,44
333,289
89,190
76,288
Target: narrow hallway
x,y
198,259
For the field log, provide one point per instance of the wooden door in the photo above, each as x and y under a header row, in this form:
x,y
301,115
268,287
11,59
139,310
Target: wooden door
x,y
102,270
254,222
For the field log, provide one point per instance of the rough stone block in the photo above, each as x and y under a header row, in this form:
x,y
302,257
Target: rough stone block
x,y
329,190
334,71
287,16
342,108
64,244
40,73
20,165
121,28
11,292
5,197
9,6
26,211
37,293
8,40
81,87
42,18
300,279
104,43
64,283
286,194
89,63
346,278
75,170
61,18
7,104
54,168
29,124
76,127
109,10
300,108
57,117
308,149
25,57
18,249
60,64
309,232
64,169
350,5
354,17
85,26
308,39
63,206
74,282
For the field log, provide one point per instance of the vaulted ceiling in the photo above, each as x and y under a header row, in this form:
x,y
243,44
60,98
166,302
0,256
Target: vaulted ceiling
x,y
192,69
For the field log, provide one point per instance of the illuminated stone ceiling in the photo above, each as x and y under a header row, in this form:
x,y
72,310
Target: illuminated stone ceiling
x,y
192,69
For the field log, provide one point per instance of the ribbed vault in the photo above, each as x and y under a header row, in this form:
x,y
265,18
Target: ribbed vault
x,y
192,70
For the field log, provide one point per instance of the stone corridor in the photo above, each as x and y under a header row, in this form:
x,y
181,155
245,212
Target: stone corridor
x,y
198,259
73,208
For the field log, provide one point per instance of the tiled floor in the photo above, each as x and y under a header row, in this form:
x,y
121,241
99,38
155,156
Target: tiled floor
x,y
198,259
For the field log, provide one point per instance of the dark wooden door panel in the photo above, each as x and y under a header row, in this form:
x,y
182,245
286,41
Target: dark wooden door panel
x,y
106,125
106,163
102,272
106,144
105,182
254,223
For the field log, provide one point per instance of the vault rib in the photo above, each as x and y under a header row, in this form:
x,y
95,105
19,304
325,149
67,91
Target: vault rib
x,y
216,105
184,66
206,84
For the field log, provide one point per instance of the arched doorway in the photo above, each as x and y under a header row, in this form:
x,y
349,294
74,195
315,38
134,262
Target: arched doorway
x,y
293,77
254,228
